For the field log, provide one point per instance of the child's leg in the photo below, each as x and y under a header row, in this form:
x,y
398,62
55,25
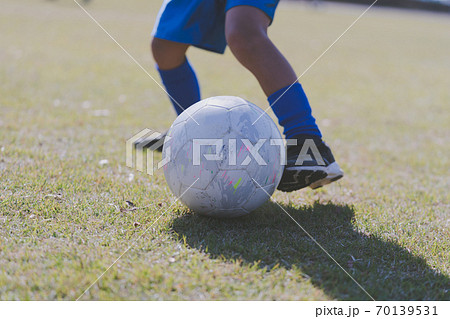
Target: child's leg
x,y
176,73
246,33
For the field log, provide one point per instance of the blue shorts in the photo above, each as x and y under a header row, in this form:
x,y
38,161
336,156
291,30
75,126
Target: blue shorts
x,y
201,23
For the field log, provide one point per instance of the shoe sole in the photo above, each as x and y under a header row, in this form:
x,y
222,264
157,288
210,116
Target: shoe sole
x,y
334,173
295,178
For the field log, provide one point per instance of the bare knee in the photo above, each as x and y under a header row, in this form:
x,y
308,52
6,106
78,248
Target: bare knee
x,y
242,40
168,54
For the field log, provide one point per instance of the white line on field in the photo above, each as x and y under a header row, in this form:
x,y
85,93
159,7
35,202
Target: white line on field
x,y
315,241
132,244
131,57
320,56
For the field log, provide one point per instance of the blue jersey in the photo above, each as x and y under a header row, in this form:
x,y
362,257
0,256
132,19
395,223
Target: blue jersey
x,y
201,23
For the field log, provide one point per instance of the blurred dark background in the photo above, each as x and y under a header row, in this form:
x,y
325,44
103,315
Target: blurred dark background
x,y
429,5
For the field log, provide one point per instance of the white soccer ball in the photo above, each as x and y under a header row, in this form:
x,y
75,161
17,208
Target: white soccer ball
x,y
225,157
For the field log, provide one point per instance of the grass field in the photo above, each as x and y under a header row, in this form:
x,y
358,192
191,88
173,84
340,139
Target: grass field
x,y
70,98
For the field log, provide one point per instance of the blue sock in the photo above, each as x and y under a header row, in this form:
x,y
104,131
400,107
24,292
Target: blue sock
x,y
181,83
294,112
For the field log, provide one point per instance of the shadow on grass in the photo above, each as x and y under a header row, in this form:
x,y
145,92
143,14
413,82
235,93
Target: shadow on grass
x,y
269,237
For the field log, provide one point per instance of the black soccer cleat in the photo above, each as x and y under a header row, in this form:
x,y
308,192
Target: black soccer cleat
x,y
309,163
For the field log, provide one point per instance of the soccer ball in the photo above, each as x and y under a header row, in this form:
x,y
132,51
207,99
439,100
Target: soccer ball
x,y
223,157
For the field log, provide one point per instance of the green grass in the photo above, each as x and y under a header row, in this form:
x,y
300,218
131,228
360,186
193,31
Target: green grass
x,y
380,94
